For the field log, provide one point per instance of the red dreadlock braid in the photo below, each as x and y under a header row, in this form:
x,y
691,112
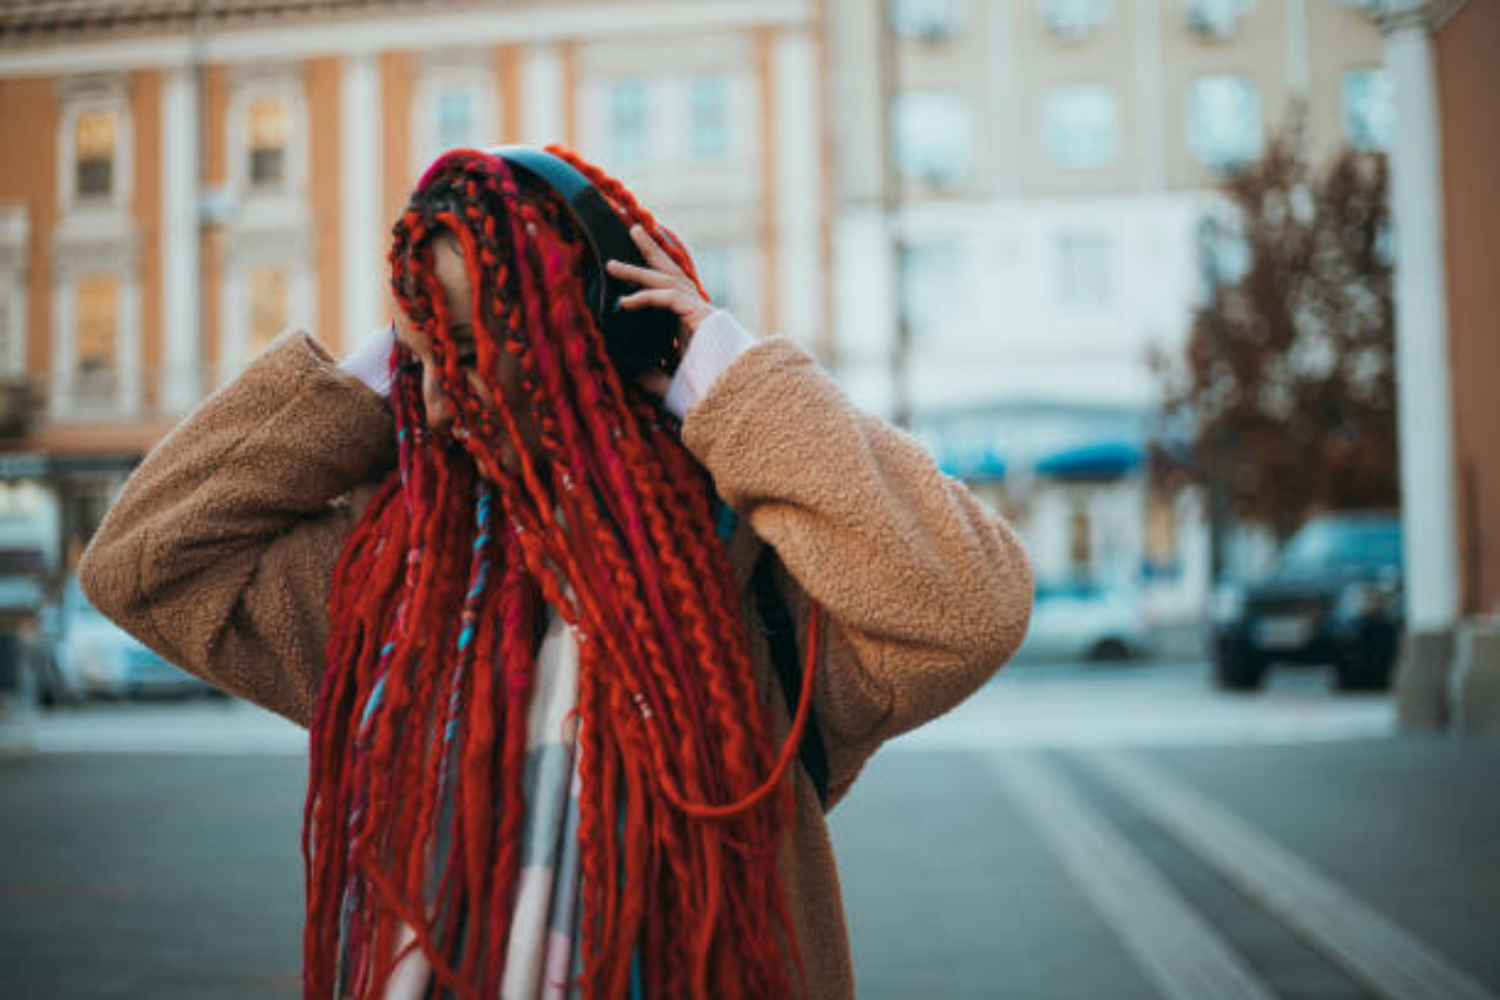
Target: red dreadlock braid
x,y
432,634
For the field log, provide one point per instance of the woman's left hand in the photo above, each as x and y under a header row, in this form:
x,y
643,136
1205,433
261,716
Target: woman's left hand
x,y
663,286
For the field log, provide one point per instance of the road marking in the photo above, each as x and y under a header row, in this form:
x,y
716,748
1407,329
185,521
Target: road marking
x,y
1119,729
1368,945
197,742
1176,949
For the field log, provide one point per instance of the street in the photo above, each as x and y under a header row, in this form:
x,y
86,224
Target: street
x,y
1073,830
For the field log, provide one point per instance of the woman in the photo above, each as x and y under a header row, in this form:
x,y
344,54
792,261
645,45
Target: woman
x,y
511,604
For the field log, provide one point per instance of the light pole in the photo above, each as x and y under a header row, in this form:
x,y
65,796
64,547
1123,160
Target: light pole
x,y
888,64
1211,235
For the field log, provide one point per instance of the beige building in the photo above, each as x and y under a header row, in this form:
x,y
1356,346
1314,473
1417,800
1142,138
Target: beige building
x,y
184,179
1052,162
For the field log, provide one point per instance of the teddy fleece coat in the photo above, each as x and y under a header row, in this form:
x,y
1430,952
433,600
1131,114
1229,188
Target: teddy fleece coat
x,y
219,551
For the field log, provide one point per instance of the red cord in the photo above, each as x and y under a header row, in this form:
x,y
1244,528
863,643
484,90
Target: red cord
x,y
788,749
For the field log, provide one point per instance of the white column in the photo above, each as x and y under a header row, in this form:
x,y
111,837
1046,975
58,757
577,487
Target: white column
x,y
1298,56
181,253
1150,103
1005,121
361,222
1423,381
128,344
543,118
799,208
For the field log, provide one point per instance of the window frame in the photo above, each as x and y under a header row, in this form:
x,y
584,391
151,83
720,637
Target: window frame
x,y
64,403
1077,30
1055,93
613,86
1379,78
726,148
85,95
283,83
1066,244
439,74
238,308
1190,119
1198,18
925,20
900,138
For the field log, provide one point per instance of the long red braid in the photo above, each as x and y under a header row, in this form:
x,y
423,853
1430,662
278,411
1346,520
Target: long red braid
x,y
435,610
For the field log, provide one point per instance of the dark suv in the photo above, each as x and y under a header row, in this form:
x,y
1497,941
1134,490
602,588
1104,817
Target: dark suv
x,y
1334,597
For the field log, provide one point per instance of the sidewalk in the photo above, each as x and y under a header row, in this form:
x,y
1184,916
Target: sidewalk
x,y
1069,832
1314,870
227,726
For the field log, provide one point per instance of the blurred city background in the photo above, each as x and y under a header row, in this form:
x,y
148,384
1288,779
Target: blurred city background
x,y
1199,294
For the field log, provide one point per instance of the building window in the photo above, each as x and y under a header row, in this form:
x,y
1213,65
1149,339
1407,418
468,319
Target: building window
x,y
94,147
1215,19
628,138
454,106
270,128
269,289
1083,270
932,290
933,137
95,338
1080,544
1369,109
1223,121
926,20
456,117
715,266
1081,126
96,135
1161,534
1074,20
709,118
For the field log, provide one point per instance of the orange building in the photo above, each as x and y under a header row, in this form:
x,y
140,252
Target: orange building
x,y
183,180
1441,54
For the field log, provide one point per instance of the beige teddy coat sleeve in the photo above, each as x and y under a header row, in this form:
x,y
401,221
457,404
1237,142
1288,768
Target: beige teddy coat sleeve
x,y
927,593
219,550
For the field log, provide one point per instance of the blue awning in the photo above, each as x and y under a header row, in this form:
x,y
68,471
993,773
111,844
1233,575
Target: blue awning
x,y
973,466
1104,460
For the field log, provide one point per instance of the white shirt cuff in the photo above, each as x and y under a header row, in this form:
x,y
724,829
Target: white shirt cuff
x,y
718,341
370,362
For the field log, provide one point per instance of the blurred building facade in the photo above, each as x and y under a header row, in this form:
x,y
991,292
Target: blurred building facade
x,y
1052,162
184,179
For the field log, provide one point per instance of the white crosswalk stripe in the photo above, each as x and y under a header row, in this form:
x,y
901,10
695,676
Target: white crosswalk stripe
x,y
1366,943
1174,946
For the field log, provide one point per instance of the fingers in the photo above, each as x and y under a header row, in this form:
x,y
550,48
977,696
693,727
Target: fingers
x,y
654,254
664,298
641,275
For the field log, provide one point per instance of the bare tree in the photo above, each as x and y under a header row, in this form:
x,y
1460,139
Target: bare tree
x,y
1285,391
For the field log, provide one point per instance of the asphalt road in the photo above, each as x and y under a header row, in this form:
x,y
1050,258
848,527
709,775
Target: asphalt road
x,y
1071,831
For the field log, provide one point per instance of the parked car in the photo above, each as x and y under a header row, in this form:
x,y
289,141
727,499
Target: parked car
x,y
92,656
1084,620
1333,597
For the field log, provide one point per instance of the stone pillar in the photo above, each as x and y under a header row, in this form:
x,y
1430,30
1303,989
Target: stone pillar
x,y
362,225
543,95
183,328
1476,680
1424,386
798,180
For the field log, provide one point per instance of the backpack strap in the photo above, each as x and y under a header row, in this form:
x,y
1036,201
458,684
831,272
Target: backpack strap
x,y
781,637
